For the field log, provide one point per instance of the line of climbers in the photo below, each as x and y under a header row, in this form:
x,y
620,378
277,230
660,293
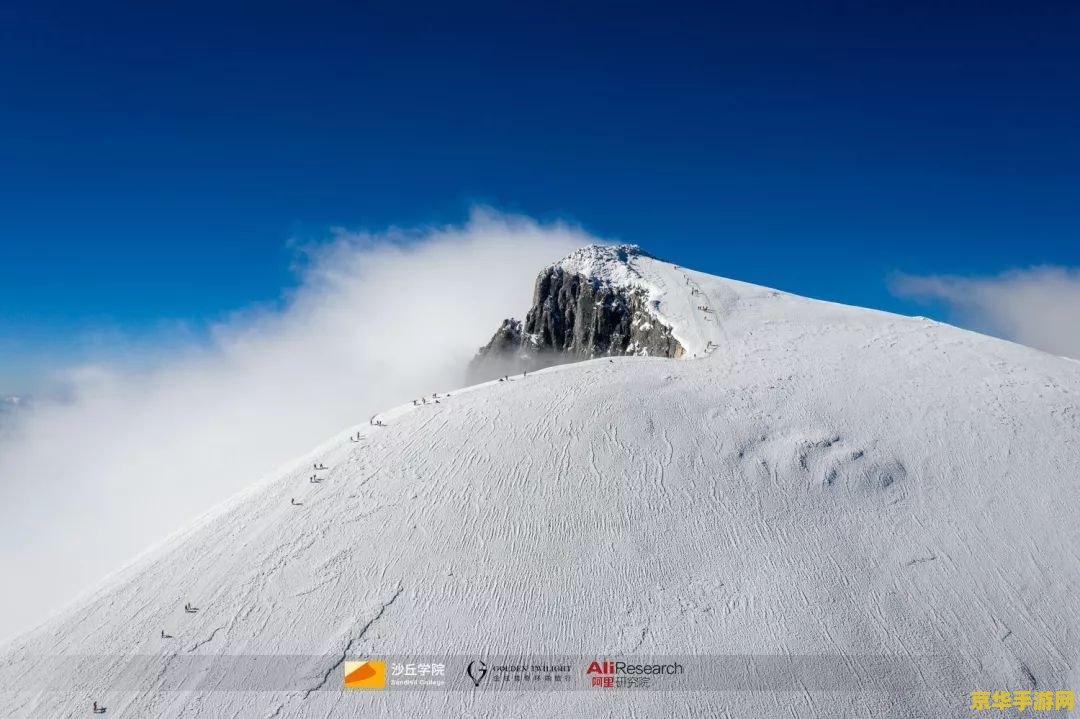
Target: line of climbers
x,y
374,421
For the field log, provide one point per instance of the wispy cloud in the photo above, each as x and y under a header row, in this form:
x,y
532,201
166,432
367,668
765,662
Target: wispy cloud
x,y
1039,306
137,449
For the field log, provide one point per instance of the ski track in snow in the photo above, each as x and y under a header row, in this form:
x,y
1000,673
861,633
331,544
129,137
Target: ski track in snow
x,y
819,480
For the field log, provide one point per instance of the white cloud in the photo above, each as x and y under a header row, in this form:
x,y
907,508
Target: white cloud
x,y
134,452
1039,306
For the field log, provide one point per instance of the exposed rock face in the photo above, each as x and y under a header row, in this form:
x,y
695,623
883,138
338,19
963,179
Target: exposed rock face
x,y
574,317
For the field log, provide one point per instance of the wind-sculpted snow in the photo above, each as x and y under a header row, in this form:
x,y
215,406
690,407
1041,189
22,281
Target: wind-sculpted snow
x,y
823,481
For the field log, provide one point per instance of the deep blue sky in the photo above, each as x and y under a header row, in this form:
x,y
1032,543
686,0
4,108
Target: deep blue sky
x,y
155,160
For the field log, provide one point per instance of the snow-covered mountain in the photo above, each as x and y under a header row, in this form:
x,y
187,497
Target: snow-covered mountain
x,y
810,482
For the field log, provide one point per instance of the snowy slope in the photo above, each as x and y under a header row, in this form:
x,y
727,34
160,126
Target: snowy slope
x,y
827,481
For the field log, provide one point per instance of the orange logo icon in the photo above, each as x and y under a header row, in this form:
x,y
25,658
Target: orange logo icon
x,y
369,674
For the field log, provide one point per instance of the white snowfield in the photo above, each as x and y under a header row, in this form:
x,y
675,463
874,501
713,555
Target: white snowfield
x,y
822,482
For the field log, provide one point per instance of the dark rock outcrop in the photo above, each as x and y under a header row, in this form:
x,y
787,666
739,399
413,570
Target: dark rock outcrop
x,y
575,317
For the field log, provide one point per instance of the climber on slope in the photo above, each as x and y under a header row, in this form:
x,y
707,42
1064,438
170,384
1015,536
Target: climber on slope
x,y
97,709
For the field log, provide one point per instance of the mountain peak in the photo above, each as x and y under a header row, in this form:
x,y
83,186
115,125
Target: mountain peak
x,y
598,301
609,264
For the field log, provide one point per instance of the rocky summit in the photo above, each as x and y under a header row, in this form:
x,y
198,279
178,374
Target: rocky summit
x,y
581,309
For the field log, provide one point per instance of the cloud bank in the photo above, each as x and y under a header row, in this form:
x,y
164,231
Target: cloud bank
x,y
135,452
1039,306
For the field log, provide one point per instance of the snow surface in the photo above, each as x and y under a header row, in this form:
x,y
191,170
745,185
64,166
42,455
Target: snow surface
x,y
826,481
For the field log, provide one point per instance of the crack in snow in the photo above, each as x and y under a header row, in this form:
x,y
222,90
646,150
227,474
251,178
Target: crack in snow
x,y
354,640
920,560
209,639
